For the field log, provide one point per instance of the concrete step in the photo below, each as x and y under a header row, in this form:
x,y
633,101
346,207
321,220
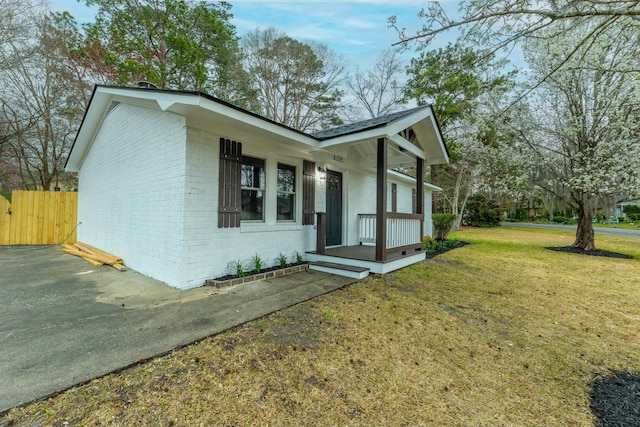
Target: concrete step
x,y
339,269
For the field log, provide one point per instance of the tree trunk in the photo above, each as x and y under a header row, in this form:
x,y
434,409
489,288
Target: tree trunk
x,y
585,238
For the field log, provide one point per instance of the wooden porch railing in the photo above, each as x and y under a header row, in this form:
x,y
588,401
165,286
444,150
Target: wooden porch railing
x,y
366,228
403,230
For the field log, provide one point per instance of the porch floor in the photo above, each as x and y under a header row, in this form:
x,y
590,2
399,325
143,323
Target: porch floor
x,y
365,256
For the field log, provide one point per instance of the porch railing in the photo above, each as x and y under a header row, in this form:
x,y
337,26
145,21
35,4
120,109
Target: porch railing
x,y
403,230
366,228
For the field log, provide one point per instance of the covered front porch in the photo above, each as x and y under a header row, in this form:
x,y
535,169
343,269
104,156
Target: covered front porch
x,y
390,226
386,240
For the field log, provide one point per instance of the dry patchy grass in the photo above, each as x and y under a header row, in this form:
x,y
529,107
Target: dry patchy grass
x,y
498,333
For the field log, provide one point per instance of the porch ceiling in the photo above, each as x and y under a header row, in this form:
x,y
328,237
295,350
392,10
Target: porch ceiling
x,y
366,154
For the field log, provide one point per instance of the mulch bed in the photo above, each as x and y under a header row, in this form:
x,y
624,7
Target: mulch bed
x,y
597,252
615,399
441,251
252,272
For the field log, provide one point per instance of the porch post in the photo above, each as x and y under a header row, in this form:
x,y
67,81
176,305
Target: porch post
x,y
381,201
321,232
420,193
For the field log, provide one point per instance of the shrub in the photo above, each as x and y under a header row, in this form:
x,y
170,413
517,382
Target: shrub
x,y
482,212
299,258
438,245
560,219
520,215
427,241
442,224
631,209
633,217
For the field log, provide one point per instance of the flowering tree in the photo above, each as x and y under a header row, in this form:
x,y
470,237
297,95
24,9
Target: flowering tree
x,y
485,160
584,133
468,90
499,25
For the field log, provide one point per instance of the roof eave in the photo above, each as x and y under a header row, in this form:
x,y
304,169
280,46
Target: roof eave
x,y
170,101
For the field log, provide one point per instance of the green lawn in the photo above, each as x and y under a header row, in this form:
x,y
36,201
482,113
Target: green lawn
x,y
501,332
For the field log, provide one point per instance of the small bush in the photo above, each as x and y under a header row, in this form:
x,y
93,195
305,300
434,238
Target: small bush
x,y
237,268
427,241
442,224
299,258
257,263
282,260
439,245
482,212
520,215
560,219
633,217
631,209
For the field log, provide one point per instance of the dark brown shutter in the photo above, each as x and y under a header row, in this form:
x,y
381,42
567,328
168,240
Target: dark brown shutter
x,y
308,192
229,199
394,197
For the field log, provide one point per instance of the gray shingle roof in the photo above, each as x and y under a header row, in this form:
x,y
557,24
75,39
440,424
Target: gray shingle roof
x,y
364,125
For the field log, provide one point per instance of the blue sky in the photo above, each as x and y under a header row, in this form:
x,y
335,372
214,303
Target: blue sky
x,y
357,30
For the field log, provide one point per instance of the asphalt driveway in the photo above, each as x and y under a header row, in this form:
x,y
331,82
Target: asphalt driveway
x,y
625,232
63,321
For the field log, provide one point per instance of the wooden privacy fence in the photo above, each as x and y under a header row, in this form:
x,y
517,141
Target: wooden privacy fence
x,y
38,218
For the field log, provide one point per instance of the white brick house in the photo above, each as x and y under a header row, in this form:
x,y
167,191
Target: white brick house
x,y
181,184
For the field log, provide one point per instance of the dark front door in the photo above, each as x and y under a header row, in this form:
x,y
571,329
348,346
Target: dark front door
x,y
334,208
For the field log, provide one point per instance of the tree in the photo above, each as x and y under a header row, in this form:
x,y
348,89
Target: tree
x,y
377,90
501,25
463,86
15,26
171,43
585,137
41,101
295,83
485,162
453,78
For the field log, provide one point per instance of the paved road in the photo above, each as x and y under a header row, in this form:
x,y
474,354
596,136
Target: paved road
x,y
63,321
599,230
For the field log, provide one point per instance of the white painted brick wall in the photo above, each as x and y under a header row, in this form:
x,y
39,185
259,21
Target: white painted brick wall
x,y
148,192
428,223
209,250
361,199
131,189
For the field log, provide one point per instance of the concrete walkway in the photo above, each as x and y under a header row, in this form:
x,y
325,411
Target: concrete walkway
x,y
63,321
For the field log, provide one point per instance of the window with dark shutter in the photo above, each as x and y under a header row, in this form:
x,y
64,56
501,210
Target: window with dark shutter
x,y
229,199
308,192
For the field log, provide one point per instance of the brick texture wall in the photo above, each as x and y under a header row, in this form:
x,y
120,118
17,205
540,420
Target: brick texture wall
x,y
131,191
148,192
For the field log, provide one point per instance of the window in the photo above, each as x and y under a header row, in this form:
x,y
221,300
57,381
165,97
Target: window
x,y
286,192
252,182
